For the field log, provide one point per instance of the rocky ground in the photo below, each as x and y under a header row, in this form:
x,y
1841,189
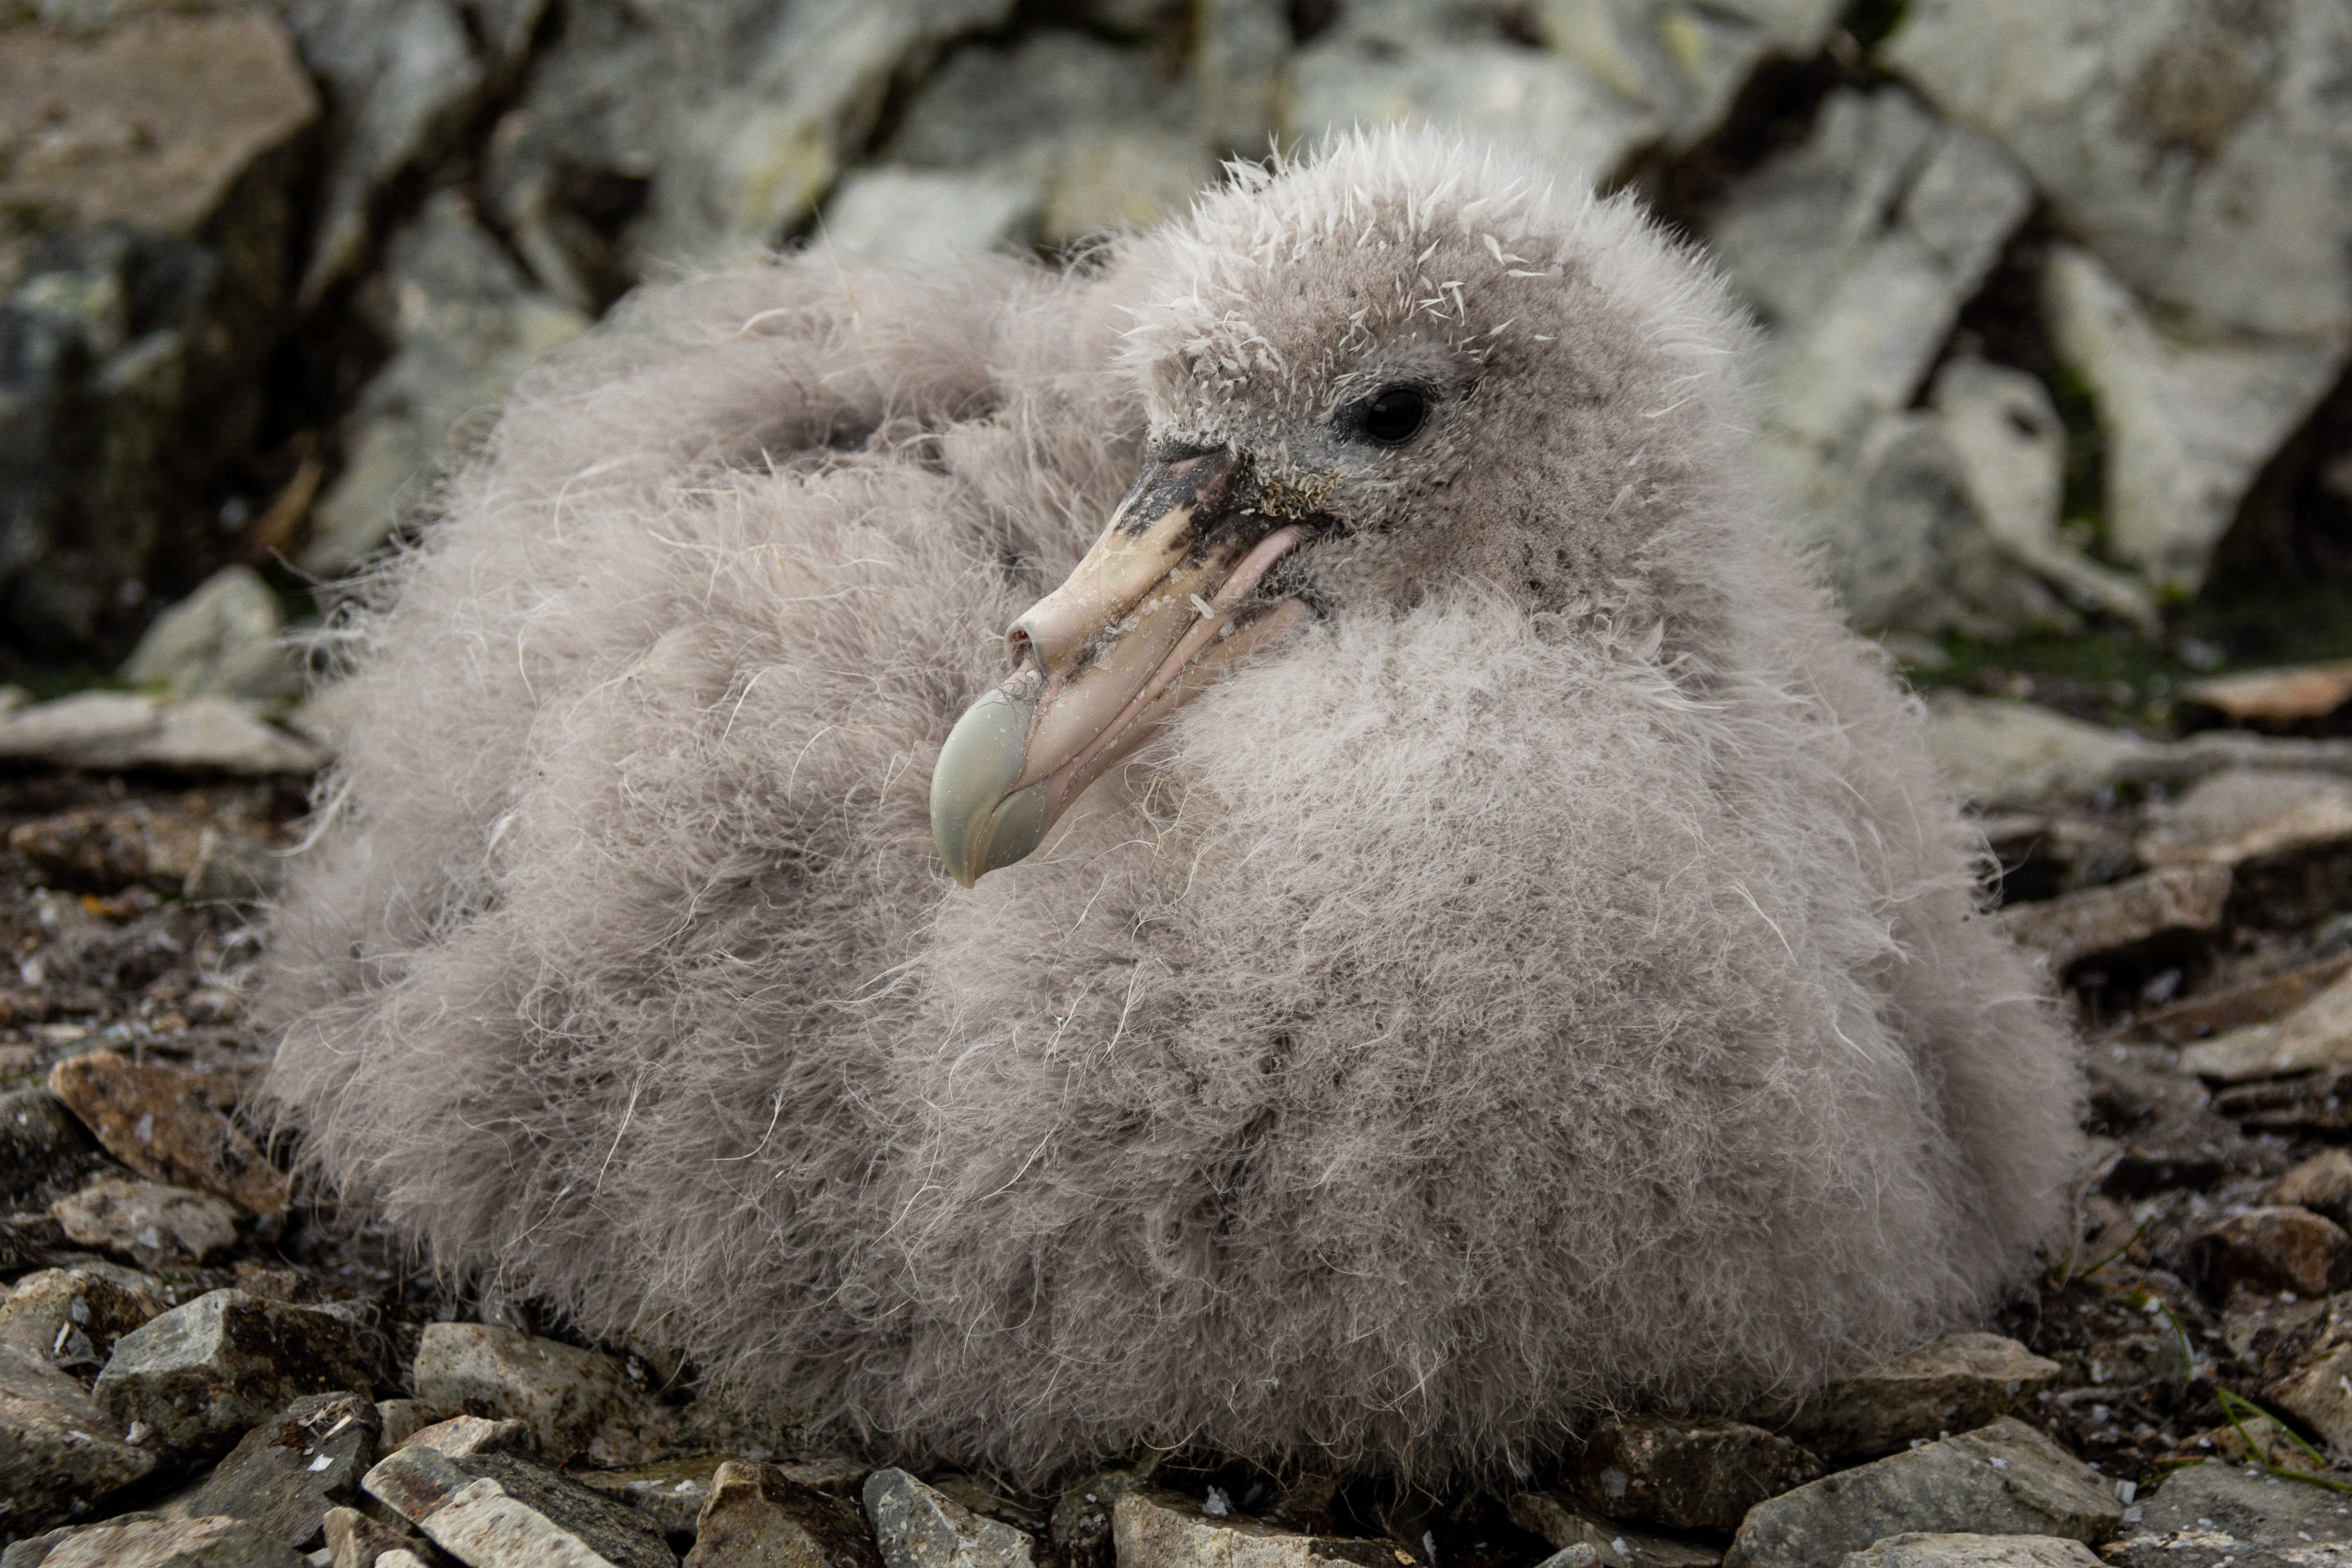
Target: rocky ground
x,y
2056,314
203,1363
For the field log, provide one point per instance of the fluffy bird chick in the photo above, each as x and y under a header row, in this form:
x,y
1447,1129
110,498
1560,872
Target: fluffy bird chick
x,y
1460,935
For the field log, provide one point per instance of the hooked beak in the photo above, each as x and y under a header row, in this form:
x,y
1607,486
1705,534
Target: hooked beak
x,y
1167,594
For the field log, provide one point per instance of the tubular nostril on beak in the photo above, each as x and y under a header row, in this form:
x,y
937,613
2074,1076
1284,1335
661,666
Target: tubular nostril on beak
x,y
1019,646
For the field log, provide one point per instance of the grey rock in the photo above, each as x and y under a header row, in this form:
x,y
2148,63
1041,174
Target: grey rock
x,y
2247,1503
44,1151
573,1401
918,1527
1481,84
2273,1249
1858,249
2209,1514
159,1120
144,219
1086,126
1953,1384
202,1375
2170,902
469,323
235,94
1157,1529
1570,1523
402,78
2235,818
2009,448
1685,62
222,640
60,1454
71,1317
494,1509
2189,423
458,1436
1240,48
2322,1183
1912,547
1688,1472
2314,1394
2200,148
2008,756
2002,1479
758,1518
156,1226
719,126
2286,834
284,1475
2005,756
145,1542
107,731
1919,1550
105,849
923,216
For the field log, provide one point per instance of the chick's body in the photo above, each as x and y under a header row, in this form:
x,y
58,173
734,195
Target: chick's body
x,y
1549,979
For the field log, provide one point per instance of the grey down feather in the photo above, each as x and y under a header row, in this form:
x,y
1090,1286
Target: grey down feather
x,y
1550,979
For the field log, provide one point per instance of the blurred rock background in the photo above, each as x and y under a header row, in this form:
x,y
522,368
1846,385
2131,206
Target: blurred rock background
x,y
2057,294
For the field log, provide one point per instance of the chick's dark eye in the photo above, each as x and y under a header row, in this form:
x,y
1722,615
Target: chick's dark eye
x,y
1395,415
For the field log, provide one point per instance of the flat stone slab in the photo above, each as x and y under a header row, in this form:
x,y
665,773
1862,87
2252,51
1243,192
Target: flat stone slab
x,y
72,1317
1159,1529
918,1526
1951,1384
202,1375
2322,1183
2310,1038
757,1517
60,1454
574,1401
1917,1550
2206,1515
159,1120
1688,1472
284,1475
140,1541
462,1434
492,1509
2175,900
157,1225
105,849
2241,816
2317,1395
2002,1479
110,731
2274,1248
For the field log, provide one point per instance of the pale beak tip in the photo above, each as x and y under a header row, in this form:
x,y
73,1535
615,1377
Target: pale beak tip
x,y
980,824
